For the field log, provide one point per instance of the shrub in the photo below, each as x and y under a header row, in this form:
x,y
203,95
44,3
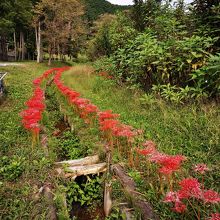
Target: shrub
x,y
207,78
11,168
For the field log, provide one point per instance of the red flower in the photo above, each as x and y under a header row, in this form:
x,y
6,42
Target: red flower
x,y
150,144
169,163
72,95
211,196
190,187
90,108
37,81
147,151
108,124
172,197
215,216
201,168
124,131
80,102
179,207
107,115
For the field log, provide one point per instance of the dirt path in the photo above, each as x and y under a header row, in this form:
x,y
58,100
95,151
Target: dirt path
x,y
10,64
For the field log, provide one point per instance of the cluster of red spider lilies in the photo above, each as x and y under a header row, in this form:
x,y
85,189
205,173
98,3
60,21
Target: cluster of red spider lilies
x,y
123,138
32,116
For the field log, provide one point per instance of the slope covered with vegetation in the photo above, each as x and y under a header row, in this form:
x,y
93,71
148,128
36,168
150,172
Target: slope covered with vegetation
x,y
146,100
95,8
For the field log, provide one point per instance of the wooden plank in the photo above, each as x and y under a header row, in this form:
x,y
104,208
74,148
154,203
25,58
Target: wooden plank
x,y
80,162
137,201
75,171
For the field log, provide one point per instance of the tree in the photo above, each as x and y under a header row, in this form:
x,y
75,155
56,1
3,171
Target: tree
x,y
6,26
60,22
143,12
138,15
14,19
22,18
207,15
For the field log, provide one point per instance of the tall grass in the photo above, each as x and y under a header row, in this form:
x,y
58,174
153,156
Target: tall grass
x,y
192,129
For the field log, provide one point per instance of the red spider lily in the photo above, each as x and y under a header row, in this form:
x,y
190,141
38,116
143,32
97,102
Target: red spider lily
x,y
169,163
90,108
157,156
107,115
123,131
32,115
215,216
50,71
81,102
38,81
201,168
38,92
190,187
210,196
30,120
147,151
172,197
109,125
36,104
179,207
72,95
150,144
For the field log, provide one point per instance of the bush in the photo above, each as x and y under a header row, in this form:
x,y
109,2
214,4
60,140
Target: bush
x,y
207,78
11,168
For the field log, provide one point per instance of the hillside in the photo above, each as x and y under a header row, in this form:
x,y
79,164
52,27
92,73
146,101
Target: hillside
x,y
94,8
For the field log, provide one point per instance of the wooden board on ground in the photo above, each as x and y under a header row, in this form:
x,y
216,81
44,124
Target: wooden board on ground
x,y
137,201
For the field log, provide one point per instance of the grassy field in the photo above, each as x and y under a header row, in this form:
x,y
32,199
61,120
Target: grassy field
x,y
192,130
22,171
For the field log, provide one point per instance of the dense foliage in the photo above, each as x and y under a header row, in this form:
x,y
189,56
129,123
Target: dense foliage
x,y
169,48
95,8
62,30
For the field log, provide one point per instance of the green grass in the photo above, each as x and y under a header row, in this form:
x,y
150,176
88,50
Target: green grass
x,y
23,171
192,129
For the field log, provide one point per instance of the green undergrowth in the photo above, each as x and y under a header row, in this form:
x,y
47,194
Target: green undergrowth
x,y
22,170
191,129
71,139
78,141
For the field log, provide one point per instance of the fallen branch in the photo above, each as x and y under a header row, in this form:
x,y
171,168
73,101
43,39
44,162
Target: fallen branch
x,y
81,170
137,201
80,162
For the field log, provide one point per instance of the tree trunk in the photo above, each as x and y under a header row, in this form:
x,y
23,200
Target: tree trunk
x,y
22,46
58,51
38,42
50,55
3,54
15,46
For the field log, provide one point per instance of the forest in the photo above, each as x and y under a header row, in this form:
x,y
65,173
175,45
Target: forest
x,y
109,112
